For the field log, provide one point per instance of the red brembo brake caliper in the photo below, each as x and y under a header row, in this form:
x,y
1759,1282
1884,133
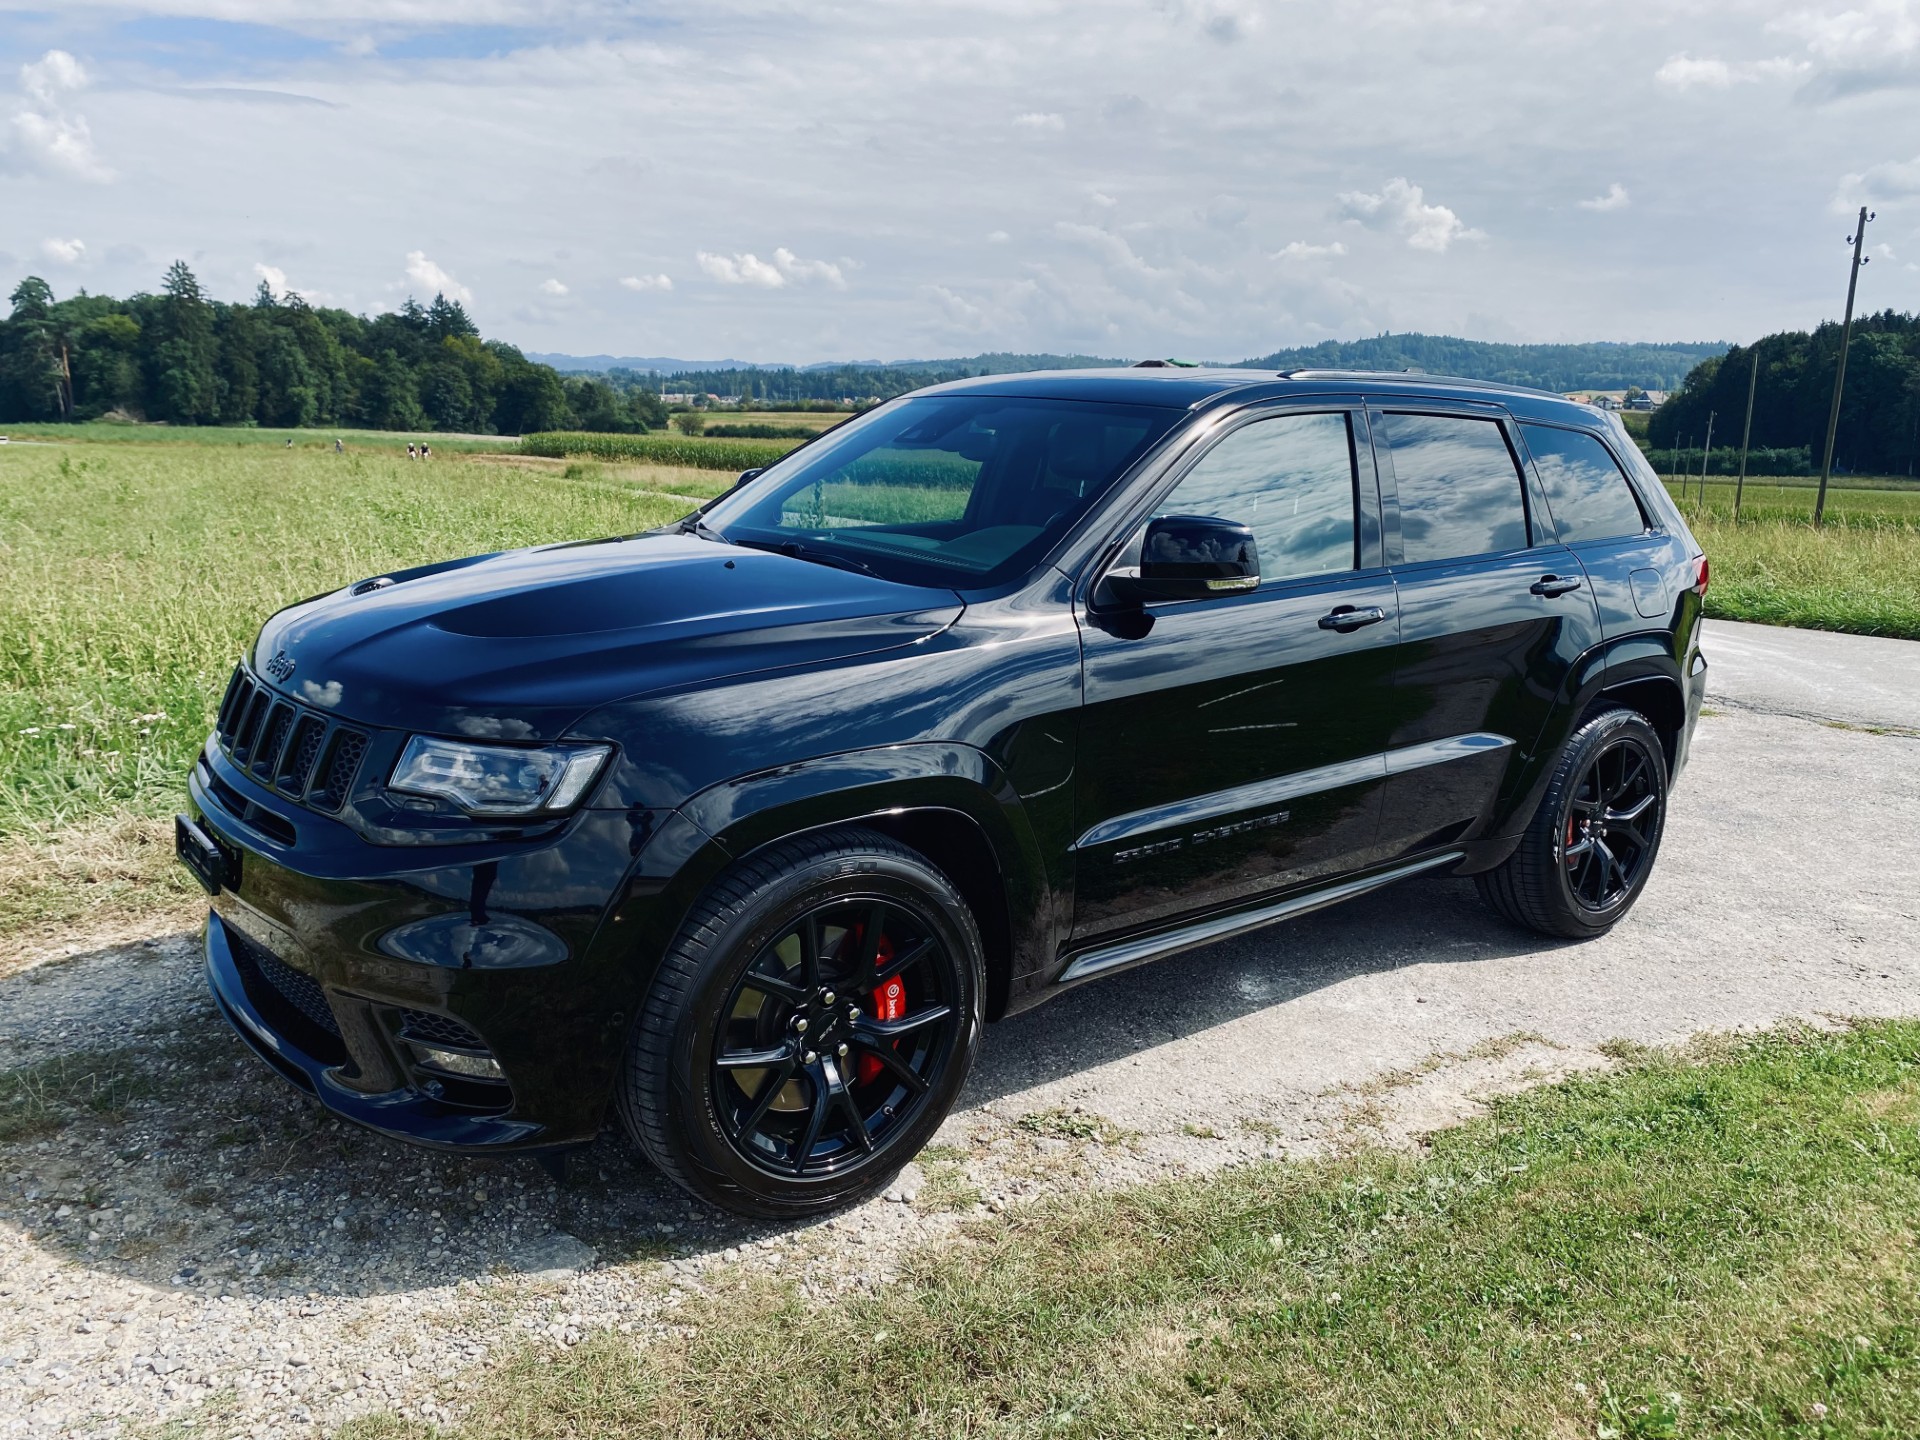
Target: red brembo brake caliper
x,y
889,1003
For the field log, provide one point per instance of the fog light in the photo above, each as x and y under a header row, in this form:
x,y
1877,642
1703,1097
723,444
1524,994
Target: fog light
x,y
457,1062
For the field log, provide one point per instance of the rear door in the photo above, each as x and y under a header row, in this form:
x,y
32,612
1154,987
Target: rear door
x,y
1494,612
1230,747
1600,519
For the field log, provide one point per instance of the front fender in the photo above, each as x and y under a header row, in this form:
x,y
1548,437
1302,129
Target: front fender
x,y
892,788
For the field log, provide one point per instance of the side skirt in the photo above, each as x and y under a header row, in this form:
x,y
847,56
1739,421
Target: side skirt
x,y
1123,954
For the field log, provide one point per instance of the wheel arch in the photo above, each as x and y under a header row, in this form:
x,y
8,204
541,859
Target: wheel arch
x,y
950,803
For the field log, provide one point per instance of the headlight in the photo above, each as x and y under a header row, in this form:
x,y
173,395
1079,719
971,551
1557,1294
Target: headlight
x,y
498,779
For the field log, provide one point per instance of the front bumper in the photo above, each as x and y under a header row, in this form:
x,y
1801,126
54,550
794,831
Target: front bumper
x,y
405,1113
452,996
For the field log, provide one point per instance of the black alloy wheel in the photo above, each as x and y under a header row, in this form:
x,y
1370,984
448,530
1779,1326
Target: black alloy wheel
x,y
1587,853
834,1037
1614,808
809,1027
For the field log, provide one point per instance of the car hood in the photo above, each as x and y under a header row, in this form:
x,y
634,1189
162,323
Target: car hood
x,y
520,644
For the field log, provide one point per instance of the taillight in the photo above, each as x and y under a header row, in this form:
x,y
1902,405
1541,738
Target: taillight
x,y
1700,576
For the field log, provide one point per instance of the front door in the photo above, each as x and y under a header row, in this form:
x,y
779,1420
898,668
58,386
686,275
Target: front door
x,y
1494,614
1230,747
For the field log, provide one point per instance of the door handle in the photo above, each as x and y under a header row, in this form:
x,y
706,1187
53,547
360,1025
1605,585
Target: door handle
x,y
1345,618
1552,585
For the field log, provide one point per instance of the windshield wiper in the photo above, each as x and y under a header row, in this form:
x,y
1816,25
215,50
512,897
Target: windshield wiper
x,y
695,525
809,552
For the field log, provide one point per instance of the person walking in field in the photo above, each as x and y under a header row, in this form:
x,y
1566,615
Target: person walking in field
x,y
426,451
338,448
410,453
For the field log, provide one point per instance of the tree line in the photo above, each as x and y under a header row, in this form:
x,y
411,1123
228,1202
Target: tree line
x,y
1879,430
186,359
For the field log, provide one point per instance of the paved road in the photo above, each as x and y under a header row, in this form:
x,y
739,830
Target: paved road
x,y
1789,885
1855,679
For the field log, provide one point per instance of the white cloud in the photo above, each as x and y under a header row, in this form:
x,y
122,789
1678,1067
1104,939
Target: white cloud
x,y
1616,198
786,268
744,269
647,282
64,252
1040,120
1893,183
998,237
1301,250
794,268
552,287
430,277
1102,199
45,132
1868,32
1402,208
51,76
1684,72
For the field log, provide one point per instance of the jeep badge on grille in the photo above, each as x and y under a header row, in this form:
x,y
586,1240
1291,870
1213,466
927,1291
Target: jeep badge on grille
x,y
280,667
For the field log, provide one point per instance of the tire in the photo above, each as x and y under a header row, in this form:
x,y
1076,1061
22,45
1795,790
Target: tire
x,y
866,942
1590,847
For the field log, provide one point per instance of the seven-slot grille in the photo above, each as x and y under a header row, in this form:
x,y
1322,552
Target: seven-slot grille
x,y
287,747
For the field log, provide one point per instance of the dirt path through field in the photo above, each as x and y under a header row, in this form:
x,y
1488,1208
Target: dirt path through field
x,y
181,1232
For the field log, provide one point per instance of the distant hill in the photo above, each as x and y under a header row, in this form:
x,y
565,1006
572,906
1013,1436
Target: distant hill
x,y
995,363
1597,365
600,364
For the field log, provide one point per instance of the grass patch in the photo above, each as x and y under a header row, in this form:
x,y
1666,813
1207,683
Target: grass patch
x,y
1856,574
48,1095
1720,1247
132,576
1061,1123
658,449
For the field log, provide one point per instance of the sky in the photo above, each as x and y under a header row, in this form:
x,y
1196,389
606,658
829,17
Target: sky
x,y
807,180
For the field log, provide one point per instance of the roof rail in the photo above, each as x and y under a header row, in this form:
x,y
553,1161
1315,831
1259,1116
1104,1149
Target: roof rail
x,y
1165,365
1461,380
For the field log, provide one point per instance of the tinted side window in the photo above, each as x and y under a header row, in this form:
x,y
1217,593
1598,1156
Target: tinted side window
x,y
1590,497
1288,479
1459,488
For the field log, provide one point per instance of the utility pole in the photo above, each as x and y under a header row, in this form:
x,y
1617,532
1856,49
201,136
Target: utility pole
x,y
1854,262
1703,459
1753,383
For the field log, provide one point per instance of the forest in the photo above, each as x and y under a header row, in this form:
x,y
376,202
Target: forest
x,y
1879,431
183,358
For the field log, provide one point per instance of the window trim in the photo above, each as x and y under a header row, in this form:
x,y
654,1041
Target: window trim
x,y
1531,502
1648,525
1126,513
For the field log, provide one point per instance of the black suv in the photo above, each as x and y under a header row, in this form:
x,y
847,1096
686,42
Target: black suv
x,y
745,826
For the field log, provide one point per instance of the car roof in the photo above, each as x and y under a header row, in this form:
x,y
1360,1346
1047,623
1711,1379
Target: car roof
x,y
1192,387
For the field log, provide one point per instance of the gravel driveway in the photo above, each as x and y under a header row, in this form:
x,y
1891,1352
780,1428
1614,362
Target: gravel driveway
x,y
183,1234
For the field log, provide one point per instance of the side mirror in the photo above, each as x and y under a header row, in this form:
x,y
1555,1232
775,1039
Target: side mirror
x,y
746,475
1190,557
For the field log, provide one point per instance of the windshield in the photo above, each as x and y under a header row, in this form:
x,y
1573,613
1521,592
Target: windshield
x,y
949,490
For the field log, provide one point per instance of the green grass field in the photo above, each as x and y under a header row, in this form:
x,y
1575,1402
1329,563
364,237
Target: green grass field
x,y
1859,573
131,578
1714,1246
